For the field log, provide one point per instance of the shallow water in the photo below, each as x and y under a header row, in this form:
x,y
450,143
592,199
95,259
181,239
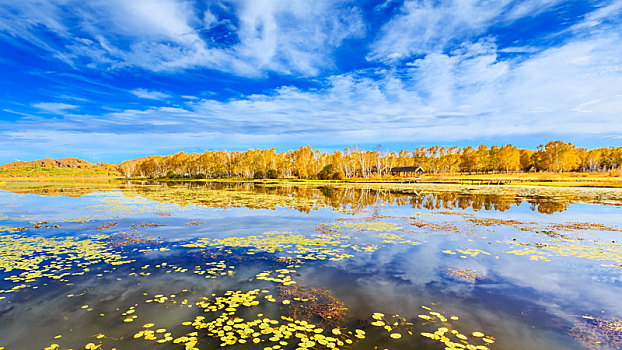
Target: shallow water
x,y
89,264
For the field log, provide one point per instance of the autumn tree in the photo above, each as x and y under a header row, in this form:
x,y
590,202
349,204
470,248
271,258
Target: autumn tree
x,y
468,160
526,163
509,158
305,162
561,156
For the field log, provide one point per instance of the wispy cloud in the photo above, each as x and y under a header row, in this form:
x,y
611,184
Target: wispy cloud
x,y
289,37
54,107
573,89
605,14
422,27
149,94
189,97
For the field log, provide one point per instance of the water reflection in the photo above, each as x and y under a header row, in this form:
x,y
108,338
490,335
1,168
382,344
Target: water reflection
x,y
357,197
351,197
144,255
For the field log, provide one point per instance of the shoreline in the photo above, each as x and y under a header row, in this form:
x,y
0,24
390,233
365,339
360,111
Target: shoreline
x,y
465,180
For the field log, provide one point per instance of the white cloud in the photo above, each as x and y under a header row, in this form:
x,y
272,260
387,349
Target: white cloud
x,y
150,94
574,89
54,107
285,36
294,36
603,14
428,26
519,49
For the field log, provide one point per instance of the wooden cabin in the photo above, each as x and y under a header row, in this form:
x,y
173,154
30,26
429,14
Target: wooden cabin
x,y
407,170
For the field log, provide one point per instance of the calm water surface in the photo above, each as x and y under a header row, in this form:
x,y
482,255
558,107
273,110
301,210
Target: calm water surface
x,y
125,265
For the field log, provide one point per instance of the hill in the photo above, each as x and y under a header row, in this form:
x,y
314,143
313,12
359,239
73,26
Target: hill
x,y
56,167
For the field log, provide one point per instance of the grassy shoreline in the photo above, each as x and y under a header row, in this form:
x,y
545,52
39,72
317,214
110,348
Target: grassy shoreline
x,y
604,180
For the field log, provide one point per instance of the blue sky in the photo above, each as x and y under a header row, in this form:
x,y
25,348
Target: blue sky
x,y
115,79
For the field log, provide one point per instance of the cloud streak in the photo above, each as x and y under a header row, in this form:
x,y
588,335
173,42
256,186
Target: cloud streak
x,y
149,94
422,27
54,107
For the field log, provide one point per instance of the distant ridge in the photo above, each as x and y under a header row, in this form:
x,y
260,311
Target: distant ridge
x,y
71,163
57,167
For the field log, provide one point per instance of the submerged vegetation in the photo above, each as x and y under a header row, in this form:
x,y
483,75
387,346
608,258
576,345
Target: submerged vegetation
x,y
597,333
314,305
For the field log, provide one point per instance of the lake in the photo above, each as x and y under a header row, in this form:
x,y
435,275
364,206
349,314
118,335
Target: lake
x,y
202,265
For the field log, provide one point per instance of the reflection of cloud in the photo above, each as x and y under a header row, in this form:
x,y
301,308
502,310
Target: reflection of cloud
x,y
562,292
408,282
565,288
522,302
45,308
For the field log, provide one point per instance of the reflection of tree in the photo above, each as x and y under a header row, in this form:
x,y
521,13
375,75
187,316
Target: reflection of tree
x,y
305,198
343,197
548,206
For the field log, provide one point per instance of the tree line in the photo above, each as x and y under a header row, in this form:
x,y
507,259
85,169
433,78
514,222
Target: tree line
x,y
307,163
